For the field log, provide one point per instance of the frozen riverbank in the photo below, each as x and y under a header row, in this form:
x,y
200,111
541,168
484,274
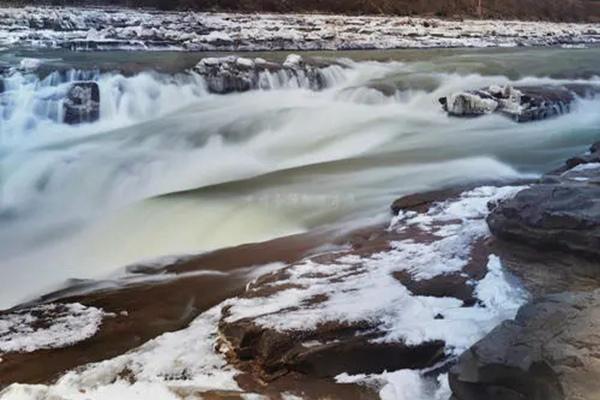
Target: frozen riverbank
x,y
90,28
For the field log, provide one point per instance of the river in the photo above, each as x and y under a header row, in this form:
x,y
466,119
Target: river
x,y
170,169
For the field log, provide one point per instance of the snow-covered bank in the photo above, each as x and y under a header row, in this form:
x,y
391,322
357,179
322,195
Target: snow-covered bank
x,y
81,29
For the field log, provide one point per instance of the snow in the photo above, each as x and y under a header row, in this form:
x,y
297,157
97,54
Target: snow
x,y
30,64
48,326
245,62
499,291
363,289
402,385
165,368
292,61
84,28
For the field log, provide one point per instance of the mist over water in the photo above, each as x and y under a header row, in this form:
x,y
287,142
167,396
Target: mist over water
x,y
171,169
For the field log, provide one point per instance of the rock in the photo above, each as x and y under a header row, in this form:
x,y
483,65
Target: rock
x,y
421,202
591,156
549,352
82,103
562,211
332,349
522,104
237,74
456,285
352,308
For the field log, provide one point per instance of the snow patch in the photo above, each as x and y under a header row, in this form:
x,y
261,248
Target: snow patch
x,y
172,366
48,326
402,385
500,291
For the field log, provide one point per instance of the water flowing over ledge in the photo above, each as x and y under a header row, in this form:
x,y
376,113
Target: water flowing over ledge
x,y
94,29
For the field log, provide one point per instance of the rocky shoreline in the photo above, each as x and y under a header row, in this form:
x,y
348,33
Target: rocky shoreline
x,y
334,320
128,29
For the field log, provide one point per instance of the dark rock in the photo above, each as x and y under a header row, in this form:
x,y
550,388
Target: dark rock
x,y
82,103
522,104
560,212
549,352
455,285
420,202
325,352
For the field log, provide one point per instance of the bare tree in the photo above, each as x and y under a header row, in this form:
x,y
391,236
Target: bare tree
x,y
479,8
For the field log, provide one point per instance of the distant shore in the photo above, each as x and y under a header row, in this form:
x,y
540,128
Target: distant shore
x,y
128,29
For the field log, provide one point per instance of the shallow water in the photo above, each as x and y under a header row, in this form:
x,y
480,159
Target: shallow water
x,y
170,169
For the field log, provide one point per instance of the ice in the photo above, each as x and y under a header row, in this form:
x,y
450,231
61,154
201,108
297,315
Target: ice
x,y
84,28
470,104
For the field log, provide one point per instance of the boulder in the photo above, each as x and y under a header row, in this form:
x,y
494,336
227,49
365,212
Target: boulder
x,y
548,352
561,211
522,103
82,103
237,74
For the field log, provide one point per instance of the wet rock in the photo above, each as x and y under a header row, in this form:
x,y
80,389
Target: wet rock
x,y
522,104
82,103
590,156
237,74
549,352
562,211
329,350
457,285
420,202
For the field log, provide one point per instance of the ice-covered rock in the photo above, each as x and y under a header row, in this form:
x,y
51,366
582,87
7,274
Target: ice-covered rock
x,y
238,74
522,104
82,103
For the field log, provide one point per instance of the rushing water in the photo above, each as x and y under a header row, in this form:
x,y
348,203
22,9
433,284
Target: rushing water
x,y
170,169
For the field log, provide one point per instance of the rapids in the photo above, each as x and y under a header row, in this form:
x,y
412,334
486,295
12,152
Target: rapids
x,y
170,169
